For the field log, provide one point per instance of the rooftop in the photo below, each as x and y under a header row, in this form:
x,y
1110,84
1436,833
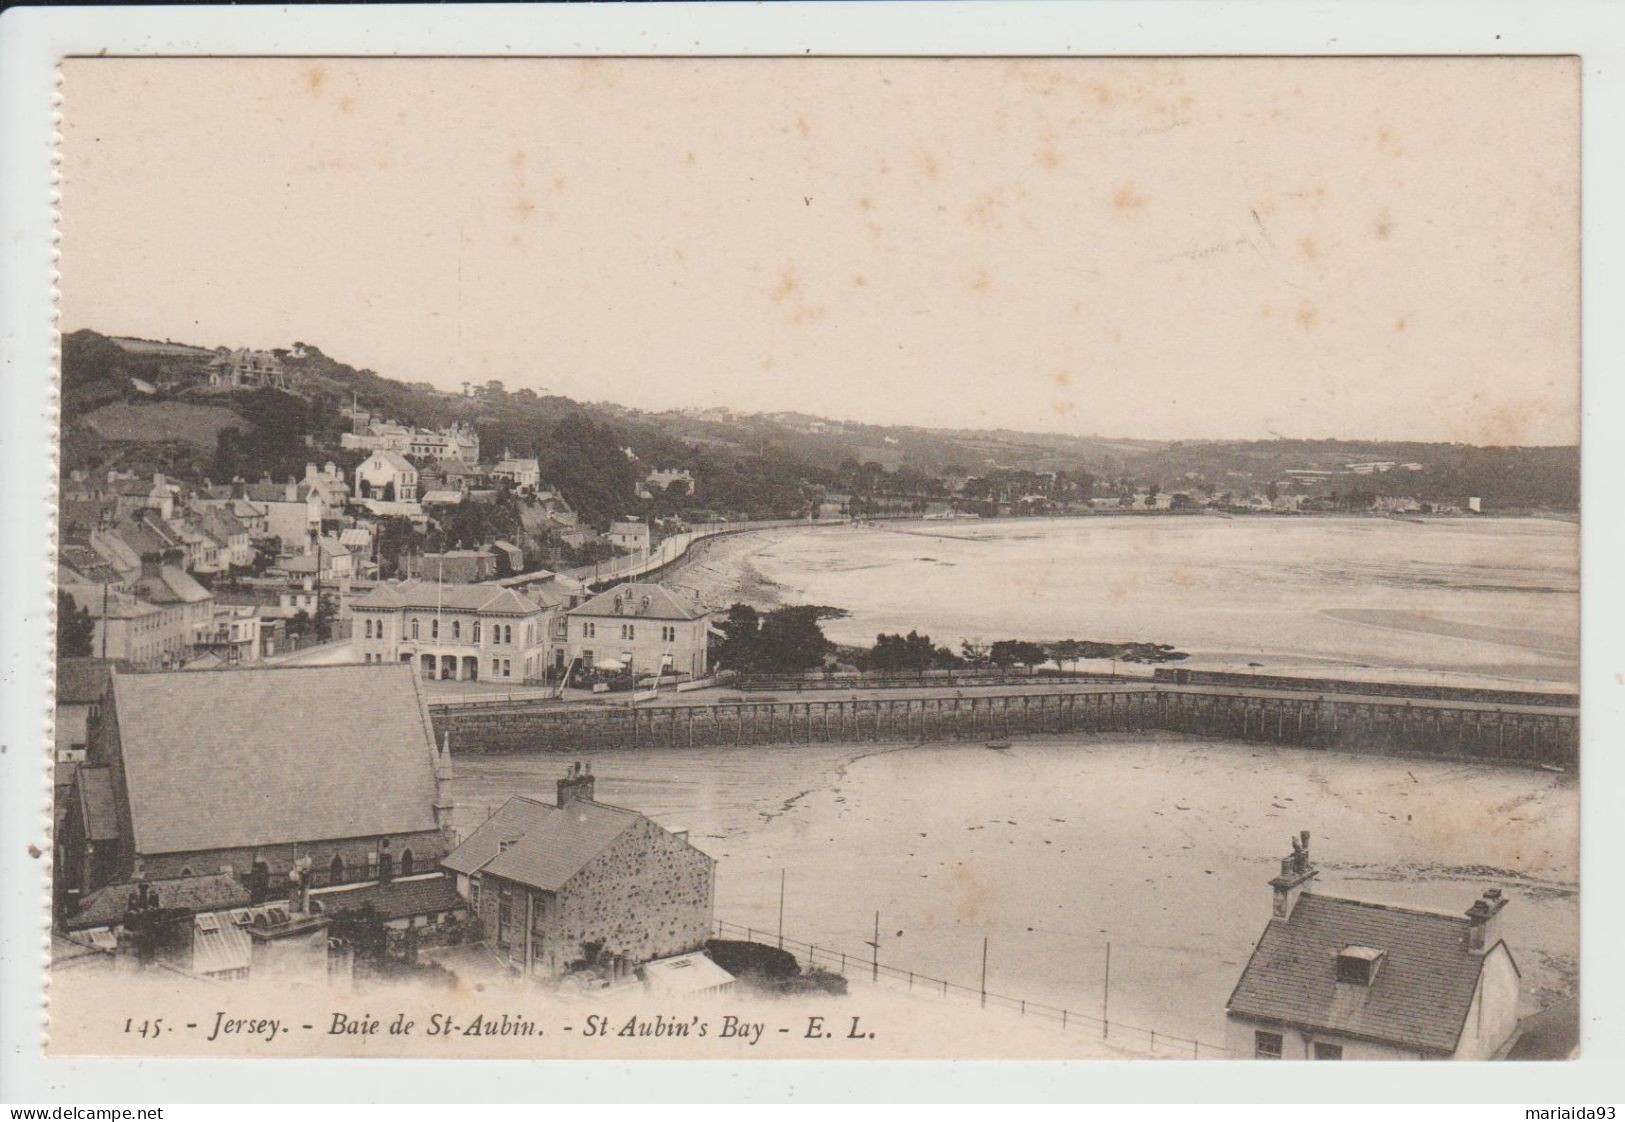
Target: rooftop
x,y
218,759
538,844
663,603
1418,999
427,595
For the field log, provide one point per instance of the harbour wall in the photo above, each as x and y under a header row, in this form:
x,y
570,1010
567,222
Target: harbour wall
x,y
1531,735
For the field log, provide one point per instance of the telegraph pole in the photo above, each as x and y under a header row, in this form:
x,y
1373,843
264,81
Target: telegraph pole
x,y
984,971
1106,997
781,912
875,946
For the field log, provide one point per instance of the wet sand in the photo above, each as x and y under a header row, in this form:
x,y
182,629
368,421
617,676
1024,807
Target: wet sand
x,y
1159,845
1457,601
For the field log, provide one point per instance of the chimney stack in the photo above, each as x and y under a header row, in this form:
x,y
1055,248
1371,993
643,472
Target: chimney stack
x,y
576,784
1296,873
239,489
1484,921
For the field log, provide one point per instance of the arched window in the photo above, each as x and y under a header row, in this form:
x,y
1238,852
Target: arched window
x,y
434,628
456,629
186,872
476,631
335,871
414,627
507,633
386,865
406,862
369,629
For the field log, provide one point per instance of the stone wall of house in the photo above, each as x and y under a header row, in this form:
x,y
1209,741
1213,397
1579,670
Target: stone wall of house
x,y
647,896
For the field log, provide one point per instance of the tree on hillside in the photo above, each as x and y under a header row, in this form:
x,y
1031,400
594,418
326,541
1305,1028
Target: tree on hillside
x,y
75,629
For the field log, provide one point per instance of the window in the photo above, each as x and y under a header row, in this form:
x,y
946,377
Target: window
x,y
456,629
589,631
434,628
1266,1045
476,631
504,916
629,631
474,892
369,628
1328,1051
406,863
414,627
335,871
507,633
668,634
1357,966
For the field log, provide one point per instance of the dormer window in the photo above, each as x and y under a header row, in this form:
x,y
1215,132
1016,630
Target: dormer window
x,y
1357,966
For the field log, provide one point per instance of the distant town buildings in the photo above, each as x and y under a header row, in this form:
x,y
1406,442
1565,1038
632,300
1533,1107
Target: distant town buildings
x,y
663,478
632,536
523,472
248,369
453,442
655,628
388,476
584,887
1336,979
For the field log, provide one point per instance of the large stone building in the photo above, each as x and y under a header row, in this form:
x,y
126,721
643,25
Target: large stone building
x,y
457,632
254,773
1339,979
650,625
583,885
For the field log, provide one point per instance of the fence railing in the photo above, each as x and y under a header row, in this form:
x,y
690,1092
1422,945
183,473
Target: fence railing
x,y
859,967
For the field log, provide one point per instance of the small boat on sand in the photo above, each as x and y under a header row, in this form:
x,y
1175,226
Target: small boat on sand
x,y
999,745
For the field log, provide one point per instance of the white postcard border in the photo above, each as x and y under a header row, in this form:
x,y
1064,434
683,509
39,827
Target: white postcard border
x,y
33,40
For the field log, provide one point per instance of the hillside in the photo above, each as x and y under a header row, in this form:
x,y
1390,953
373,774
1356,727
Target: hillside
x,y
146,405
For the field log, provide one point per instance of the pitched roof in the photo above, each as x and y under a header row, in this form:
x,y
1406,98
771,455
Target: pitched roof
x,y
1419,998
173,586
664,603
546,846
408,896
428,595
106,906
393,460
82,681
216,759
87,563
98,802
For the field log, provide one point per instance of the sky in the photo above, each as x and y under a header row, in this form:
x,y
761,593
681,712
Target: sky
x,y
1161,249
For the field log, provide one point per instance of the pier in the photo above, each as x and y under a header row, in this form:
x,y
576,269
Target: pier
x,y
1536,734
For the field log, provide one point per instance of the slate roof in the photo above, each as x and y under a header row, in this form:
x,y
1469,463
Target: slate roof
x,y
250,757
87,564
98,802
82,681
394,461
1419,998
173,586
664,603
427,595
106,906
547,845
408,896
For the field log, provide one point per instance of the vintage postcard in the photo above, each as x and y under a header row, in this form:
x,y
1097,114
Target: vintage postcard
x,y
818,557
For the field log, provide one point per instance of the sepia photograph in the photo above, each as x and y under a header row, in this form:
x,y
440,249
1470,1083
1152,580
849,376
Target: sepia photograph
x,y
818,558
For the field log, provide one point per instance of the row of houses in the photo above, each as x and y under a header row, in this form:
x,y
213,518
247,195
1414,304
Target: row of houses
x,y
471,632
201,809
